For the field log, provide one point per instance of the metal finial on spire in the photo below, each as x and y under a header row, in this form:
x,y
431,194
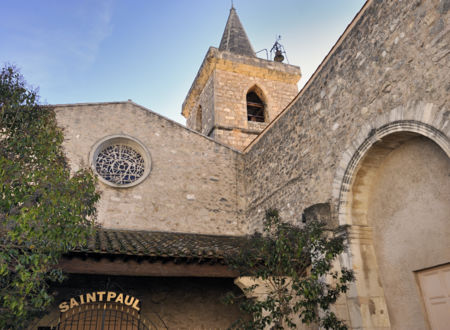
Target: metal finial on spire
x,y
232,4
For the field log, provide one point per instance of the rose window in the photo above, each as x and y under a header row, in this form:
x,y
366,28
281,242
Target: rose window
x,y
121,161
120,164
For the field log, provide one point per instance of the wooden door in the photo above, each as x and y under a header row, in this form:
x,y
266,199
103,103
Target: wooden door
x,y
435,287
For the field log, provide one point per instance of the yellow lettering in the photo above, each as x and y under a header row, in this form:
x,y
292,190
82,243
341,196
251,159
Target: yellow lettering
x,y
120,298
63,307
90,297
73,303
129,300
111,295
135,305
100,295
93,297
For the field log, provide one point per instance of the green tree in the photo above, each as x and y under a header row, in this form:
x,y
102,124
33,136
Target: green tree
x,y
292,263
44,210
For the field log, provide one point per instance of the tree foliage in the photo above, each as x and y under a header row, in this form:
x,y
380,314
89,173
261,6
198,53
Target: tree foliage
x,y
295,266
44,210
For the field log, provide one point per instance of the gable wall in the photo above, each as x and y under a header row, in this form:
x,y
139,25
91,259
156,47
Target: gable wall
x,y
192,184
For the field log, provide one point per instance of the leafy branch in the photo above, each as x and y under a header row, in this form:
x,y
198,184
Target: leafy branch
x,y
44,210
293,275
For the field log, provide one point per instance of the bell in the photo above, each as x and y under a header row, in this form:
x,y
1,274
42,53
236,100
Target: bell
x,y
278,56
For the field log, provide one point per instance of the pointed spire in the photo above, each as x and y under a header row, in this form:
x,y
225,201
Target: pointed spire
x,y
234,38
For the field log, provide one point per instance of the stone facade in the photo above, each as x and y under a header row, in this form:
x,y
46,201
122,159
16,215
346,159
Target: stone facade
x,y
219,92
366,142
384,85
202,118
389,66
192,186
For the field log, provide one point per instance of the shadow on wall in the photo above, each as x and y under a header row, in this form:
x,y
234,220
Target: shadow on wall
x,y
319,212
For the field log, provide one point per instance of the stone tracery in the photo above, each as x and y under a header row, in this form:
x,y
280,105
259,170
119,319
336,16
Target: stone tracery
x,y
120,164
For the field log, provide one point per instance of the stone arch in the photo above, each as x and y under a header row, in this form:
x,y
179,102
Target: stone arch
x,y
263,95
421,118
376,145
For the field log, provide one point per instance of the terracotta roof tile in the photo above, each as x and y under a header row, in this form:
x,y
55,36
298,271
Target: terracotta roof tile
x,y
161,244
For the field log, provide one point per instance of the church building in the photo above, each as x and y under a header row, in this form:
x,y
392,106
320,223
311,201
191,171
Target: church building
x,y
365,143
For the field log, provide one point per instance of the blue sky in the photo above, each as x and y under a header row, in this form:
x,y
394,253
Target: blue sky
x,y
149,51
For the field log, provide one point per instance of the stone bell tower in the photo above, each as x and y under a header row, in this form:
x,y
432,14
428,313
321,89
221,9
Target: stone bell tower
x,y
236,94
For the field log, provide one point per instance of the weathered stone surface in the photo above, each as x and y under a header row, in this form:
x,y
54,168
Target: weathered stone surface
x,y
384,84
384,63
217,97
179,194
202,118
410,215
318,212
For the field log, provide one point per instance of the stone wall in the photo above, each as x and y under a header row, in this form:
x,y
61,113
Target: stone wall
x,y
392,64
388,73
192,186
231,89
236,138
221,86
409,211
384,83
205,104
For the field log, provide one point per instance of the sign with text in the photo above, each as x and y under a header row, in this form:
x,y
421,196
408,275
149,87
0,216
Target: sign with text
x,y
100,296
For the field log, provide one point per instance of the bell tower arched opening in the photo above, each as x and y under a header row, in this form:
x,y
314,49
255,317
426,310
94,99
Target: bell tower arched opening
x,y
256,105
199,119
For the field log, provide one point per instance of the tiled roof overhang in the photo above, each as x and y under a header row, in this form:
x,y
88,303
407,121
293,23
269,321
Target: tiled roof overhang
x,y
145,253
161,244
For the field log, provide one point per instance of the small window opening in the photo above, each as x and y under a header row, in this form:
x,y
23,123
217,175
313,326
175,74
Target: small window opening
x,y
198,119
255,108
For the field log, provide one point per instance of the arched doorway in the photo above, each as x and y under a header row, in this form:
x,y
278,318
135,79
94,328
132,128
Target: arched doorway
x,y
398,206
409,210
